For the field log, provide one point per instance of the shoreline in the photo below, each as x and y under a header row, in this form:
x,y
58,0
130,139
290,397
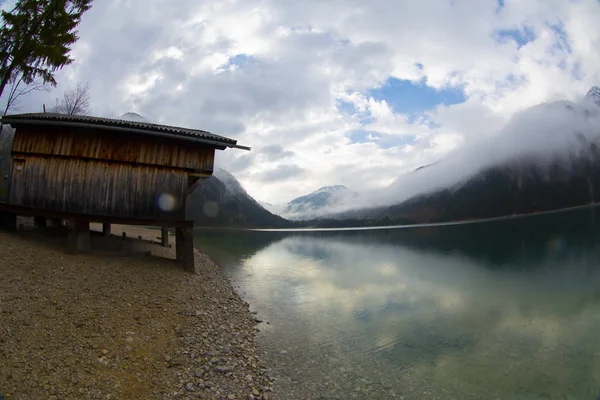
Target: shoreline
x,y
407,226
121,324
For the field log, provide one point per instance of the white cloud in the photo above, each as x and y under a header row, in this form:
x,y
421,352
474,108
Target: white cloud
x,y
558,131
180,64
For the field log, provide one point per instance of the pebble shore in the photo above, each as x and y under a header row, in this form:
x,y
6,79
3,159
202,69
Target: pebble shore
x,y
123,322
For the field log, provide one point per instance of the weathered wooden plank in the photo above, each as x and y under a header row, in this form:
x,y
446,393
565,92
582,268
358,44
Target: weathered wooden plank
x,y
96,187
102,145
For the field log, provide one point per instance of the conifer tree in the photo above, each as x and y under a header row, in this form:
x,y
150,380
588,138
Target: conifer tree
x,y
35,39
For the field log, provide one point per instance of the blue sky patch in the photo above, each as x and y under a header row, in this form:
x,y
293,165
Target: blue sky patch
x,y
414,98
363,136
519,36
349,109
500,6
562,43
239,60
410,99
346,107
576,71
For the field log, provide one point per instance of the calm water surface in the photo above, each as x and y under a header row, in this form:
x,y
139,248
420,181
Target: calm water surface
x,y
500,310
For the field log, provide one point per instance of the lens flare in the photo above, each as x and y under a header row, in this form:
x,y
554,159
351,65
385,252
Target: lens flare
x,y
211,209
555,245
167,202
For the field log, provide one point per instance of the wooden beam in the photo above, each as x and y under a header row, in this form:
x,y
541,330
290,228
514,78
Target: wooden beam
x,y
33,212
199,172
193,183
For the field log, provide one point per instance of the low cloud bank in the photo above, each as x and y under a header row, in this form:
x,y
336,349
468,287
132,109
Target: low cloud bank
x,y
546,134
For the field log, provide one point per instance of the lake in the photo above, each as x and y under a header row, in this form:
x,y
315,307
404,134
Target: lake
x,y
497,310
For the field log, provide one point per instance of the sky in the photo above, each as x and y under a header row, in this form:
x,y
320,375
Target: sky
x,y
332,92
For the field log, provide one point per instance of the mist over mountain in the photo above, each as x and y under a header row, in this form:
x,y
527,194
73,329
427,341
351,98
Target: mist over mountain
x,y
321,202
538,140
547,157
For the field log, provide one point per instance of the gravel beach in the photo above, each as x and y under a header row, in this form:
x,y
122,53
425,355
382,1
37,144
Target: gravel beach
x,y
122,322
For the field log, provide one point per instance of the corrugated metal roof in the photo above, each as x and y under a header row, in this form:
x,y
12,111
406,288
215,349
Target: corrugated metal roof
x,y
120,124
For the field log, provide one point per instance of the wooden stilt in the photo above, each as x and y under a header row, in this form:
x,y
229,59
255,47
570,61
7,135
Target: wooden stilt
x,y
79,237
184,248
8,221
164,236
106,229
40,222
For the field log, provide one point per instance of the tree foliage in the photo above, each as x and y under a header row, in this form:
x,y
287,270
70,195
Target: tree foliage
x,y
75,101
35,39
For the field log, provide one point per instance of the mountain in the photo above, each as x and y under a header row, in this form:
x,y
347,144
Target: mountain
x,y
507,190
133,116
594,94
547,158
316,204
220,201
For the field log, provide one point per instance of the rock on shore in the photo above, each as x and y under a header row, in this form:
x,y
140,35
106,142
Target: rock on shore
x,y
124,326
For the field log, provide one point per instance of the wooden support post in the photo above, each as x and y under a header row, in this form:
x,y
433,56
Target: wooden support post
x,y
106,229
184,248
164,236
8,221
79,237
40,222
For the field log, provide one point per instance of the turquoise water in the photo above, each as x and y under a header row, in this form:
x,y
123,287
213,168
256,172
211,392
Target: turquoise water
x,y
500,310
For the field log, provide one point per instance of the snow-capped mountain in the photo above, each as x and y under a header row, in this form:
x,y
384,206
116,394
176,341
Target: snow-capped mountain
x,y
323,201
233,188
133,116
594,94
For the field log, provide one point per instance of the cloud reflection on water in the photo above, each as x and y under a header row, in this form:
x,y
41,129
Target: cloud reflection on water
x,y
525,327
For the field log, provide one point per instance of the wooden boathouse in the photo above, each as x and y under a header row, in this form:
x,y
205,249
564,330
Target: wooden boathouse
x,y
83,169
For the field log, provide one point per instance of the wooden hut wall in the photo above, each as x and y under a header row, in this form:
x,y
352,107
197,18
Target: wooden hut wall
x,y
106,145
96,187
